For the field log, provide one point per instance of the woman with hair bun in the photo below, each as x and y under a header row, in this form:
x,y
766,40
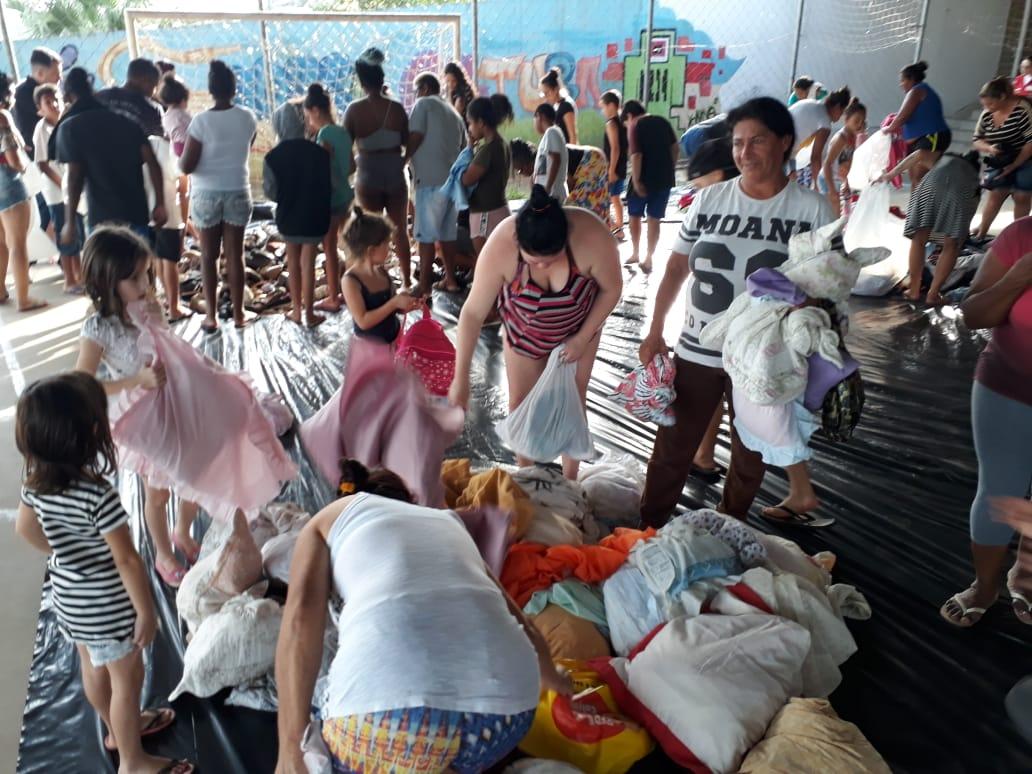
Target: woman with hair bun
x,y
318,111
489,170
921,120
379,127
552,89
554,274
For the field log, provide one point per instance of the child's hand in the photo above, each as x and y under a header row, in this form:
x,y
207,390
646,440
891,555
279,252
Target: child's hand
x,y
151,377
405,302
145,630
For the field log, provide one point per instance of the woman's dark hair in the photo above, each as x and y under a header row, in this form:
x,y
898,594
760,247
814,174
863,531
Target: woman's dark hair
x,y
997,88
541,226
552,79
172,90
77,83
771,113
803,82
110,255
632,107
482,109
5,87
356,477
364,230
458,72
915,72
522,153
838,98
502,108
62,431
221,80
317,98
369,69
611,97
546,111
165,66
711,156
855,106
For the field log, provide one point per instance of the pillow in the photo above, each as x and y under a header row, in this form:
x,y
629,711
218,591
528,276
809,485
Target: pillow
x,y
613,488
632,611
568,636
233,646
707,687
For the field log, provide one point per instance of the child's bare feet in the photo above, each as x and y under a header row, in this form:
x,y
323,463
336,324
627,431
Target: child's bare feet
x,y
150,764
294,315
189,547
314,320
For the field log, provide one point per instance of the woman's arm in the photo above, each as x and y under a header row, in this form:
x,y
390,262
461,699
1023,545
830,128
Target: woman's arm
x,y
1023,156
27,526
570,120
299,650
613,135
994,291
488,279
591,238
906,110
820,139
677,270
900,168
404,129
838,144
365,318
134,578
191,155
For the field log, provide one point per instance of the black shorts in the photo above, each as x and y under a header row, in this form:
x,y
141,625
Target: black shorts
x,y
938,142
168,244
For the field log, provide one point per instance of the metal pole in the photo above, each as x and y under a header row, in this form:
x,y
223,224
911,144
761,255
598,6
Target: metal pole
x,y
476,41
798,39
130,33
1020,49
270,95
921,30
648,56
10,47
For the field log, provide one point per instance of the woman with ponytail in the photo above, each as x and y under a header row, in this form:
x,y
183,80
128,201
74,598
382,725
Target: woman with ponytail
x,y
318,109
554,274
565,111
424,621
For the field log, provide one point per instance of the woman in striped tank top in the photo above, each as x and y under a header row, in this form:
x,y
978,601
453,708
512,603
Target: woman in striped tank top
x,y
554,274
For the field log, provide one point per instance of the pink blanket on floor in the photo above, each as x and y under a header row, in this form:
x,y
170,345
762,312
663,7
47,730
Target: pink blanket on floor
x,y
205,434
382,416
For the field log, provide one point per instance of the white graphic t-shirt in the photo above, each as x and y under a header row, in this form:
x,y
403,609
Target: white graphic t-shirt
x,y
727,236
552,141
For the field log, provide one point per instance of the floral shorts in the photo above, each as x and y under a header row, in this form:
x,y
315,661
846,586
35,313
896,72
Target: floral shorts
x,y
211,208
421,739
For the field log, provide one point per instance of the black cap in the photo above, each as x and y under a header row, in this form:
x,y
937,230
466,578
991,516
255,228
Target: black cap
x,y
711,156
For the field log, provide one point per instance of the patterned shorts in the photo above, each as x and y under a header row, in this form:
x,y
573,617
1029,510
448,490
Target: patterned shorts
x,y
211,208
422,740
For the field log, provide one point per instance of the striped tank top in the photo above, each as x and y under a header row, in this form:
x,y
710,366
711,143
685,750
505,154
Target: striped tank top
x,y
537,320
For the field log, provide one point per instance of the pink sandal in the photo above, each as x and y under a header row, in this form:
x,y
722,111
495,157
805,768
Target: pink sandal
x,y
191,556
171,578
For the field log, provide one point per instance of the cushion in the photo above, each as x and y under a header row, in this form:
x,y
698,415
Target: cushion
x,y
707,687
568,636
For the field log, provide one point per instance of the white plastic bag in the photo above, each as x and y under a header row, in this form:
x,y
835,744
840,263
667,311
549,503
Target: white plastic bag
x,y
870,161
613,487
234,646
550,421
868,223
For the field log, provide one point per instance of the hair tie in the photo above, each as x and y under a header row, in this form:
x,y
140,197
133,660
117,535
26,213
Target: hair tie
x,y
539,210
346,488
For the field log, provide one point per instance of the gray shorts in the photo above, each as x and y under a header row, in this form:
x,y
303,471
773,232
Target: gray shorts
x,y
212,208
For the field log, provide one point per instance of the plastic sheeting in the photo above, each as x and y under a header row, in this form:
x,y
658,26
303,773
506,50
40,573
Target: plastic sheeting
x,y
928,696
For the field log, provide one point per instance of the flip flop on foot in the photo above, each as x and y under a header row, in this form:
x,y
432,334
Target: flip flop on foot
x,y
74,290
794,518
956,612
619,235
171,578
708,475
329,305
646,266
177,767
192,554
632,261
447,287
1019,601
314,321
247,319
152,721
181,315
210,327
33,305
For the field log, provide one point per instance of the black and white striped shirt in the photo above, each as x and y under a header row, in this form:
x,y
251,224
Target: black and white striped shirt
x,y
1010,137
90,599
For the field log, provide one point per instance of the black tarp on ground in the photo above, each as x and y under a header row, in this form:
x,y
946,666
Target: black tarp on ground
x,y
927,695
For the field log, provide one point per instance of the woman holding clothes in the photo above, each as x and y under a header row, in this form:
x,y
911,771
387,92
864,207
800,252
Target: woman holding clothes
x,y
730,230
450,669
1004,138
921,119
1001,421
379,127
554,274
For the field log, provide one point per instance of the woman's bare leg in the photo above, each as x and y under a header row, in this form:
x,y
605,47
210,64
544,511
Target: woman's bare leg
x,y
584,366
705,455
522,374
16,221
943,267
294,280
308,286
233,247
397,211
211,246
917,261
332,301
993,202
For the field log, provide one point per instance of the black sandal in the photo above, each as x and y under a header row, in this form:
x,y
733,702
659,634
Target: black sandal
x,y
795,519
708,475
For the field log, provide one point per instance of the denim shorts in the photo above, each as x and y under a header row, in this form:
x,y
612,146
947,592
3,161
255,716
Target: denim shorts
x,y
108,651
437,217
12,188
654,205
211,208
57,216
617,188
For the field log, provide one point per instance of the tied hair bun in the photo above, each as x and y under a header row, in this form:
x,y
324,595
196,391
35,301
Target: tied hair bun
x,y
540,201
354,477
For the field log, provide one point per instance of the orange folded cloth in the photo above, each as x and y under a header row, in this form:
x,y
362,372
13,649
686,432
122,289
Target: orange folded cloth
x,y
491,487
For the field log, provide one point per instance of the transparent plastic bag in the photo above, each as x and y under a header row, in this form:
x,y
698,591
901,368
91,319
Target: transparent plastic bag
x,y
550,421
870,160
868,223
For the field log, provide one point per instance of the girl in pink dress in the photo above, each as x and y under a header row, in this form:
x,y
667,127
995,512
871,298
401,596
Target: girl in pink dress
x,y
179,420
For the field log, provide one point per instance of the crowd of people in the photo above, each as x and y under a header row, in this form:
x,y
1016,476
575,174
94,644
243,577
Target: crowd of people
x,y
549,275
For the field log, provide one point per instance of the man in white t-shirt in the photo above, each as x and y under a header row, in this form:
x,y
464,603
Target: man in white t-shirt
x,y
553,158
731,230
48,105
437,135
812,120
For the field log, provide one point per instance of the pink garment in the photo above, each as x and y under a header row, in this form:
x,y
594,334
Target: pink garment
x,y
382,416
648,393
175,122
204,434
897,152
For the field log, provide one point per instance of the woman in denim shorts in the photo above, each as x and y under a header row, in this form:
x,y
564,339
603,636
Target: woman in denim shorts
x,y
14,207
217,147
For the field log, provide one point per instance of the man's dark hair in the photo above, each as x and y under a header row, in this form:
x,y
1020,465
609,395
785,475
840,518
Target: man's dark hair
x,y
546,111
142,69
632,107
429,82
44,57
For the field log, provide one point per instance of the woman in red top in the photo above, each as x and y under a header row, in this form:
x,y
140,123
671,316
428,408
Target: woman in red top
x,y
1001,419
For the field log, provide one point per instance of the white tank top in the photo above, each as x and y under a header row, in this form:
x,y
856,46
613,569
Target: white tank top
x,y
423,624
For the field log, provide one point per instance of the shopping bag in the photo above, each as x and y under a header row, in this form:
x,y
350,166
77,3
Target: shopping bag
x,y
870,161
550,421
426,349
586,729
